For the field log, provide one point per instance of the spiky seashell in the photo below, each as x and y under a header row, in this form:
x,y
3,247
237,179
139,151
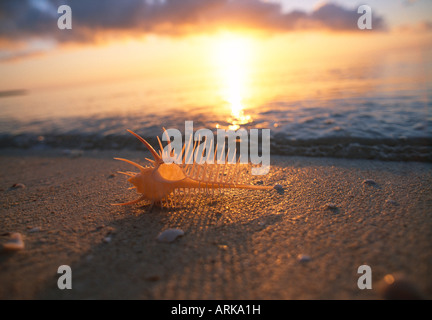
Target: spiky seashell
x,y
169,182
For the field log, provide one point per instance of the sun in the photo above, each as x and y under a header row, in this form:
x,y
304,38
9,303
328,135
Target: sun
x,y
232,50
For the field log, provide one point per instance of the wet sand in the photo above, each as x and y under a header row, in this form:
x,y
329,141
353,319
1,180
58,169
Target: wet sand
x,y
242,244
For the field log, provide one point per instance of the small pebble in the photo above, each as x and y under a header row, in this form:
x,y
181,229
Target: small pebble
x,y
303,258
390,201
169,235
398,287
17,186
107,239
331,206
35,229
279,188
370,182
15,243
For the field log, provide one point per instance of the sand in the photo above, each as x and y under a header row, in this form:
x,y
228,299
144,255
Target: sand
x,y
304,243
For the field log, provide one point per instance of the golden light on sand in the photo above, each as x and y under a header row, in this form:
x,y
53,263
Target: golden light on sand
x,y
232,55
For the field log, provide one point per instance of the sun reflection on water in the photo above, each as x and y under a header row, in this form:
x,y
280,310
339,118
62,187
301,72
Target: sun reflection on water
x,y
233,56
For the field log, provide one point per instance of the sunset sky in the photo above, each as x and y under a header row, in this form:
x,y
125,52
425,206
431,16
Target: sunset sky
x,y
114,40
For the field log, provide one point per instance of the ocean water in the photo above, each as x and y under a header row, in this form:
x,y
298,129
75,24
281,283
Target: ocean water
x,y
374,109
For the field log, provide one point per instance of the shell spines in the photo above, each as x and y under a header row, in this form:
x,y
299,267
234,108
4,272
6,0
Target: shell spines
x,y
198,176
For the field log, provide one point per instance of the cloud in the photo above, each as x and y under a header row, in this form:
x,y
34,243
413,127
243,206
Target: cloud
x,y
22,20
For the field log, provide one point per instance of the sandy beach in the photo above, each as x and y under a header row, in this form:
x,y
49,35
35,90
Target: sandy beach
x,y
306,242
